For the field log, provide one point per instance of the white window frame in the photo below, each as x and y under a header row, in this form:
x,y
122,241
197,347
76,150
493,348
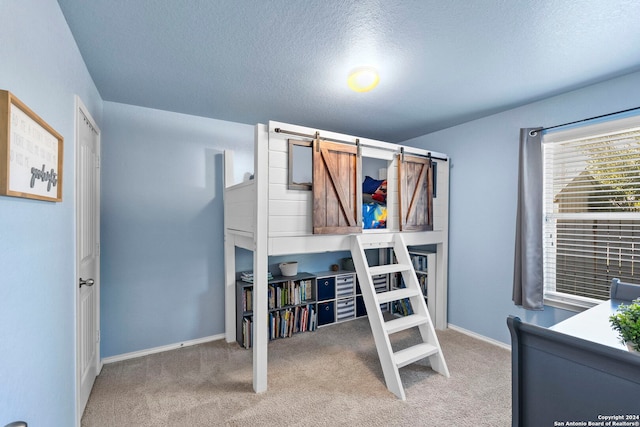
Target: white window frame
x,y
552,297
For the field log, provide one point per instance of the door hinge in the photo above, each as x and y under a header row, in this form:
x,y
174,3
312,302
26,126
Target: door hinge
x,y
97,249
98,339
97,161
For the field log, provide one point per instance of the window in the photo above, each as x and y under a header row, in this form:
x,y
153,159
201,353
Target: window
x,y
591,219
300,165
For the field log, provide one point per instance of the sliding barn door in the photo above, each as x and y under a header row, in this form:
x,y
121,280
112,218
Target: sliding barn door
x,y
415,180
335,188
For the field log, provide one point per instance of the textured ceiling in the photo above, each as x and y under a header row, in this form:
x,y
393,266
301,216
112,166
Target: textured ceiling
x,y
441,63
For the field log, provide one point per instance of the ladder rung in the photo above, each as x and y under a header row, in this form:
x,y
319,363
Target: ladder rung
x,y
397,294
415,353
377,241
404,322
389,268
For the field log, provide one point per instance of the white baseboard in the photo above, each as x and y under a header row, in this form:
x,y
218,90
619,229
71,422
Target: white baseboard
x,y
480,337
140,353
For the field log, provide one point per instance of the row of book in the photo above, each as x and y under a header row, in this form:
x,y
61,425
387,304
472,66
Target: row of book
x,y
402,307
283,323
419,262
281,294
290,293
398,282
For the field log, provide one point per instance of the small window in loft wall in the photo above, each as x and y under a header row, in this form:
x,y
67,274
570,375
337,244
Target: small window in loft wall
x,y
374,192
300,167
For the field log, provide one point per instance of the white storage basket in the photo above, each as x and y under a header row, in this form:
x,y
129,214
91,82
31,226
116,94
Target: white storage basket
x,y
289,268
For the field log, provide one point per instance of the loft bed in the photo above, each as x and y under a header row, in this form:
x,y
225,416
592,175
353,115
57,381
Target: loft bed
x,y
281,210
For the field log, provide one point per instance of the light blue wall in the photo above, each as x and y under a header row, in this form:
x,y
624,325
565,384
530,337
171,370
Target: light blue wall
x,y
162,225
41,65
308,263
483,192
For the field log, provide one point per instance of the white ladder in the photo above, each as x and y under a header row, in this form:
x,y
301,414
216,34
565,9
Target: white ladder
x,y
429,347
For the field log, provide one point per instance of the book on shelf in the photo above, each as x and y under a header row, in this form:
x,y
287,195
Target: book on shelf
x,y
402,307
247,276
313,318
419,262
304,313
306,290
271,294
422,279
247,299
274,325
291,321
247,332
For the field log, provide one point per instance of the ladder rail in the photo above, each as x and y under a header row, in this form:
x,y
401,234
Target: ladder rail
x,y
429,347
376,320
427,331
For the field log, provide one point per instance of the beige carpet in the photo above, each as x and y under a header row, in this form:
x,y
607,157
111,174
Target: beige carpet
x,y
329,377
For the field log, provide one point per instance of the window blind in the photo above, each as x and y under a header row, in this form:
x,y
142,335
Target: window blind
x,y
591,209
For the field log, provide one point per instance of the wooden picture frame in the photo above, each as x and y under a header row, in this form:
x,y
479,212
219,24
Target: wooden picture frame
x,y
31,153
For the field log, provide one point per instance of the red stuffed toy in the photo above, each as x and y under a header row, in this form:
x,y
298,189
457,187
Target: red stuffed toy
x,y
380,195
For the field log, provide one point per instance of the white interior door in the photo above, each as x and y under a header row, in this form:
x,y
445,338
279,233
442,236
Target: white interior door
x,y
88,254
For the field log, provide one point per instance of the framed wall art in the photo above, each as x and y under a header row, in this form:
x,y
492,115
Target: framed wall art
x,y
31,153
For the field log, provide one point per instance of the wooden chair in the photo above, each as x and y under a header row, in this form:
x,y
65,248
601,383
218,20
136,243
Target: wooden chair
x,y
624,291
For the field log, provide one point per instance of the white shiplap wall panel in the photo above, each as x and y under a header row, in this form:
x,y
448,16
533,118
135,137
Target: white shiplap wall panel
x,y
277,175
278,143
241,206
281,192
378,153
290,211
242,221
278,159
290,207
278,163
441,201
289,225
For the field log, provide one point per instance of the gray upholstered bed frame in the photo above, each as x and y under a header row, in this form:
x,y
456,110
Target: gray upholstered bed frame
x,y
561,378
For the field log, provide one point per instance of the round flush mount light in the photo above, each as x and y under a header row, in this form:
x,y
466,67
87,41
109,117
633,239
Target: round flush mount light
x,y
363,79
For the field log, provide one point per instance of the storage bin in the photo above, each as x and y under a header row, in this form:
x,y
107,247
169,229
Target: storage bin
x,y
288,268
326,288
345,309
326,313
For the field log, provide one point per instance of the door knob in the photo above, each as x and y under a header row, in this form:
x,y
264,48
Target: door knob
x,y
88,282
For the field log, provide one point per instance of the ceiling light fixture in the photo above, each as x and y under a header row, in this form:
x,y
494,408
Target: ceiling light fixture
x,y
363,79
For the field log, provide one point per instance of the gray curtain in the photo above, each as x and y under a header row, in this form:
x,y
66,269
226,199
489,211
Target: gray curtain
x,y
527,277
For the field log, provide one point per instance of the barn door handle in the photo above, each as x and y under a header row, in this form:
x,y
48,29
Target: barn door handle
x,y
88,282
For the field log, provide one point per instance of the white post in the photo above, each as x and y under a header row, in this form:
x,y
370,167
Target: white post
x,y
229,258
261,260
230,287
432,272
441,286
